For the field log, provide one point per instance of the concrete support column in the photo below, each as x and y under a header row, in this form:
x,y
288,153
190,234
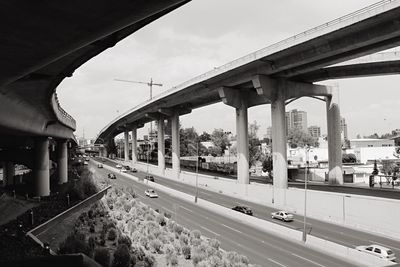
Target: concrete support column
x,y
134,145
62,161
41,171
279,140
176,163
335,175
126,145
161,145
8,173
242,143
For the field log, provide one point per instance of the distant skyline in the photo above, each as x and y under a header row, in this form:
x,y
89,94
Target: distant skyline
x,y
206,34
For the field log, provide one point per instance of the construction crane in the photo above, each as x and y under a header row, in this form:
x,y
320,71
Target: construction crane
x,y
150,84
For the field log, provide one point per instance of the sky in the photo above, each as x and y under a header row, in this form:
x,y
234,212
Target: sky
x,y
205,34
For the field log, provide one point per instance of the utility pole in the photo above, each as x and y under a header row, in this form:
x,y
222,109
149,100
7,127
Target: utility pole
x,y
150,84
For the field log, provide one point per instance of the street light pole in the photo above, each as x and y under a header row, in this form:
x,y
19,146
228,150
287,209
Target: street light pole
x,y
197,173
307,149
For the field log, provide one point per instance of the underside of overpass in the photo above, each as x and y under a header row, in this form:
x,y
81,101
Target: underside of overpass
x,y
42,43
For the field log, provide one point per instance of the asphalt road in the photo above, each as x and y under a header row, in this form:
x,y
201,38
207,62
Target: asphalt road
x,y
260,247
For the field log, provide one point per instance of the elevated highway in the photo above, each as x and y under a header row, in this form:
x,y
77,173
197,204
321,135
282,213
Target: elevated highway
x,y
40,45
275,75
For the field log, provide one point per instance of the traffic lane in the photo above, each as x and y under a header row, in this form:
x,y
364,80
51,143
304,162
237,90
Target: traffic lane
x,y
335,233
291,259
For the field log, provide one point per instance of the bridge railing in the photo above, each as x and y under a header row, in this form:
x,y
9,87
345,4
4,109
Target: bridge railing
x,y
61,114
335,24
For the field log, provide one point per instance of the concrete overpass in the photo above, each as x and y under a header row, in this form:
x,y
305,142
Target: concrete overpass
x,y
273,75
40,45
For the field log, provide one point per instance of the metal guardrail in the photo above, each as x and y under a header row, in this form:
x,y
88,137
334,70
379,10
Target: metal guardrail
x,y
61,114
341,22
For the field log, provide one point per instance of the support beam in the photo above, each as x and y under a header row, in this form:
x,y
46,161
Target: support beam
x,y
279,140
126,145
8,173
134,145
335,175
161,145
41,171
62,161
242,143
176,167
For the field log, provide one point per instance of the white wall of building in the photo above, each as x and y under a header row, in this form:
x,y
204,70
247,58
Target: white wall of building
x,y
364,154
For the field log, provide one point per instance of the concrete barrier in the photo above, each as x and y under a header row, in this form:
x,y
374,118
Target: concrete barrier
x,y
312,242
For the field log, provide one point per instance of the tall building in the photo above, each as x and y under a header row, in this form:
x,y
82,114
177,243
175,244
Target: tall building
x,y
314,131
296,119
343,128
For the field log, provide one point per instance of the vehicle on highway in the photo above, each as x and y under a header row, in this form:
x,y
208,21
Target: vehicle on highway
x,y
85,163
127,167
123,170
378,251
282,215
150,193
118,166
243,209
112,176
100,165
133,170
149,177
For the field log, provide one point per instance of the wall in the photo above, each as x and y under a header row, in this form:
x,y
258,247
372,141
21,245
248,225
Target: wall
x,y
363,154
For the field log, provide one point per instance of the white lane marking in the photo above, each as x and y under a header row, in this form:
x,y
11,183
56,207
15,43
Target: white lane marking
x,y
207,194
372,241
350,245
313,262
184,208
233,229
208,230
278,263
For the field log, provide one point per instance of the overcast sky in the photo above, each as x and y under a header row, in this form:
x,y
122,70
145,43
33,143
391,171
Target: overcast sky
x,y
208,33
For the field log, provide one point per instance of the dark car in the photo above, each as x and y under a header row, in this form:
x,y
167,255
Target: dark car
x,y
133,170
149,177
127,167
112,176
243,209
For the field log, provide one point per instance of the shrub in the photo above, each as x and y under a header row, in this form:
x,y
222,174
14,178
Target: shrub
x,y
173,261
235,257
122,257
169,249
167,215
127,207
184,240
112,234
160,219
198,255
125,240
155,246
149,217
195,234
74,243
178,229
102,256
186,252
149,260
214,243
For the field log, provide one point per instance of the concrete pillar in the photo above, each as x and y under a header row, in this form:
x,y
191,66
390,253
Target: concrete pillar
x,y
62,161
126,145
335,175
41,171
161,145
242,143
176,163
134,145
8,173
279,141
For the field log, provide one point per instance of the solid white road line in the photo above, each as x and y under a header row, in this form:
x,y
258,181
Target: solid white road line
x,y
313,262
184,208
278,263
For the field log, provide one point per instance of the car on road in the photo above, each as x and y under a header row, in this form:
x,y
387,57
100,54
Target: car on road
x,y
127,167
100,165
378,251
123,170
118,166
112,176
282,215
85,163
150,193
243,209
149,177
133,170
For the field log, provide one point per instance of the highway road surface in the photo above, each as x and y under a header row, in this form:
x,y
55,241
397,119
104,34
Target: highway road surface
x,y
261,248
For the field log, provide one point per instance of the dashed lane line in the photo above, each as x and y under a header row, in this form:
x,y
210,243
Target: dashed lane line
x,y
311,261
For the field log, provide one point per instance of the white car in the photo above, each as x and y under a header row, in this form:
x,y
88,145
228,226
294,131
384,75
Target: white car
x,y
118,166
282,215
378,251
150,193
123,170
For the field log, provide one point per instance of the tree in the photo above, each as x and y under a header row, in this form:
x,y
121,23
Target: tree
x,y
204,137
255,153
299,138
220,140
389,167
188,143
